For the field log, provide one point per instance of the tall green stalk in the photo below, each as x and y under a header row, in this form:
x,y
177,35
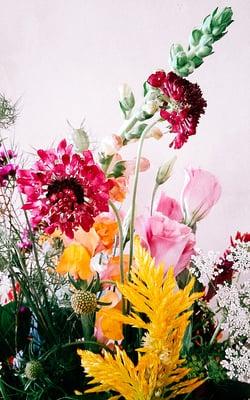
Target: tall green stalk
x,y
134,191
121,258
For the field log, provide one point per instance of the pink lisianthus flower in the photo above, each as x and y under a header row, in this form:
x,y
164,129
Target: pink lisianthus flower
x,y
168,240
200,194
169,207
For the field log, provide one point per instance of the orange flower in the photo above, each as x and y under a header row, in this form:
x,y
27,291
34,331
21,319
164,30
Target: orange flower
x,y
107,328
75,260
112,272
89,240
119,190
106,228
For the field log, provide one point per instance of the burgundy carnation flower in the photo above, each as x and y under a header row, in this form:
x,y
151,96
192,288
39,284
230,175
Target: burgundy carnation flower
x,y
183,104
64,190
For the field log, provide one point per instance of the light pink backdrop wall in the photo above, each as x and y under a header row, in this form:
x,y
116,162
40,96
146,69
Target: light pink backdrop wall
x,y
66,59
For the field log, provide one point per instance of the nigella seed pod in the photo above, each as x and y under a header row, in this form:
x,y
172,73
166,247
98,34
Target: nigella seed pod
x,y
83,302
33,370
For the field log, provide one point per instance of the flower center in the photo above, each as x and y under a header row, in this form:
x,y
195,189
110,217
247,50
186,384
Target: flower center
x,y
66,187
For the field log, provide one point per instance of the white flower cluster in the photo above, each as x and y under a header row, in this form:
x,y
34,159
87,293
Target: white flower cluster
x,y
5,288
234,299
205,266
237,362
240,256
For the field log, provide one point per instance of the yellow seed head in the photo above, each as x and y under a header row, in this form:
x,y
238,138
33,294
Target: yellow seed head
x,y
83,302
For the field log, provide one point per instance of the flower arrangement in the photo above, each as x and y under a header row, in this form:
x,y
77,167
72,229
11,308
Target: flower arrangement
x,y
98,302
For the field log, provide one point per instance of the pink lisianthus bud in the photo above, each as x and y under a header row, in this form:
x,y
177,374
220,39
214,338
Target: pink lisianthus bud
x,y
201,192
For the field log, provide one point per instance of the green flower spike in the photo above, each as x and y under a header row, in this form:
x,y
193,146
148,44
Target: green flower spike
x,y
200,42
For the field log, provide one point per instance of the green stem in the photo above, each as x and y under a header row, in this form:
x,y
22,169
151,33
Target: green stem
x,y
121,258
35,252
76,343
153,198
87,326
134,192
129,126
217,329
3,390
120,238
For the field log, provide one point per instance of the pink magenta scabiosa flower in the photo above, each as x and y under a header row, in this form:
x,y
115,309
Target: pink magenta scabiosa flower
x,y
64,190
183,104
7,169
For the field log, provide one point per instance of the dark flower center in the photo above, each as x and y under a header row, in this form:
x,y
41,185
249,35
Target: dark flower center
x,y
67,185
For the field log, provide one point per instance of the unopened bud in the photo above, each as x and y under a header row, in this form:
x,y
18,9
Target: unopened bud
x,y
127,100
165,171
180,61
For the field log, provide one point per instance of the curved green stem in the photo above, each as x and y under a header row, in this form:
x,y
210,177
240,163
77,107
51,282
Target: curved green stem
x,y
129,126
217,330
120,238
153,198
121,258
3,390
76,343
134,192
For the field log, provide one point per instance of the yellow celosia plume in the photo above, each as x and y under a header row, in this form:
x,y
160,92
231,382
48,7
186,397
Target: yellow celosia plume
x,y
166,310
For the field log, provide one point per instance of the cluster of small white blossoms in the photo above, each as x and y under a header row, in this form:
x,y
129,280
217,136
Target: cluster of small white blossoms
x,y
205,266
5,287
234,299
240,256
237,361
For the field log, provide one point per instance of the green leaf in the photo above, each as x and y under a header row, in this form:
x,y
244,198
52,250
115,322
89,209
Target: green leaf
x,y
136,133
124,110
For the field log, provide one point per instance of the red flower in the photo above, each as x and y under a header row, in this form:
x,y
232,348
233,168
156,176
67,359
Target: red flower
x,y
64,190
183,104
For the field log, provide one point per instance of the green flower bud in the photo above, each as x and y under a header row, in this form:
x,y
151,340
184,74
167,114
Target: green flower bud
x,y
200,42
118,170
220,21
203,51
178,56
127,100
195,37
165,171
180,62
33,370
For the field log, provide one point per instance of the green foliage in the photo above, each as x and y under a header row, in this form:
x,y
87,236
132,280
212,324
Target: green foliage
x,y
8,112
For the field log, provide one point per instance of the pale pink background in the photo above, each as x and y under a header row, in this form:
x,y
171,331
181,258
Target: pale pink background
x,y
66,59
